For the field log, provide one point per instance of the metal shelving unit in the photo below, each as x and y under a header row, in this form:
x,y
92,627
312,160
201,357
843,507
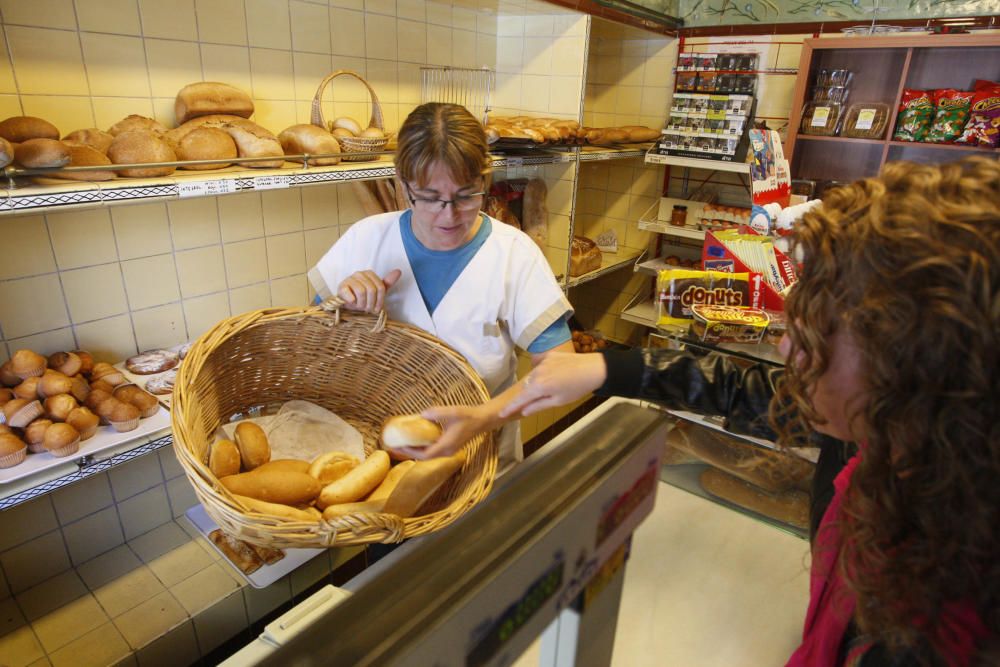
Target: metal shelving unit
x,y
607,267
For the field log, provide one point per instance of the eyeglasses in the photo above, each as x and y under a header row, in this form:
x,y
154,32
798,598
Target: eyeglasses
x,y
464,203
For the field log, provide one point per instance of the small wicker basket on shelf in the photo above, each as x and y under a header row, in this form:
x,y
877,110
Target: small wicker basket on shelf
x,y
352,144
359,366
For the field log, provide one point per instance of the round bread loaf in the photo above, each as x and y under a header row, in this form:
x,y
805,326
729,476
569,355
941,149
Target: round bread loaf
x,y
252,140
42,153
93,137
206,143
21,128
175,135
136,122
211,97
84,155
141,146
305,138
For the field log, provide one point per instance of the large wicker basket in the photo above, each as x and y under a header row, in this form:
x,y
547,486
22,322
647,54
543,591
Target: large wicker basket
x,y
352,144
357,365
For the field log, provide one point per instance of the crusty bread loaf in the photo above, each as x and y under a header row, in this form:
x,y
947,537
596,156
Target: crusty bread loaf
x,y
42,153
420,482
252,140
305,138
141,146
211,97
206,143
224,459
84,155
274,486
93,137
6,152
791,507
175,135
585,256
136,122
252,441
21,128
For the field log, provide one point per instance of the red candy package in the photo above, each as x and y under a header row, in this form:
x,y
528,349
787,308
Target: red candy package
x,y
983,128
916,115
951,115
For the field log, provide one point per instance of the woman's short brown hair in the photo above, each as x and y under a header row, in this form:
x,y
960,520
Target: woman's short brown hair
x,y
441,133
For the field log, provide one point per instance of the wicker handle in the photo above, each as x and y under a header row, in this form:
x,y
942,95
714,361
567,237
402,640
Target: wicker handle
x,y
335,304
317,103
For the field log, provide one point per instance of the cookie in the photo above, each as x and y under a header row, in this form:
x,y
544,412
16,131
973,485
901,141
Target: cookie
x,y
162,384
152,361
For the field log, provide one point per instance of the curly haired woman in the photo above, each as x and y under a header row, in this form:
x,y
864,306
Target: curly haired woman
x,y
893,344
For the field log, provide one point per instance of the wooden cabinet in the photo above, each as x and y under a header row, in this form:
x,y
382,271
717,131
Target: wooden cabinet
x,y
882,67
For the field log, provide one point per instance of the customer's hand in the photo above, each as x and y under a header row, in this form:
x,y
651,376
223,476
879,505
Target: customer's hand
x,y
365,290
559,379
461,423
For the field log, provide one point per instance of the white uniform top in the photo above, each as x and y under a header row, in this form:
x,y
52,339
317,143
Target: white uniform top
x,y
505,296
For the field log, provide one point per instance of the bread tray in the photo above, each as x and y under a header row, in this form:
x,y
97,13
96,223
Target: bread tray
x,y
266,574
105,438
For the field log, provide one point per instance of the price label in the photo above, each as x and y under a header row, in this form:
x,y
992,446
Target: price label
x,y
820,116
271,182
515,162
602,156
206,188
866,118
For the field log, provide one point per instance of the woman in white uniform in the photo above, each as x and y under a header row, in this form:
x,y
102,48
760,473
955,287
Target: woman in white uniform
x,y
481,286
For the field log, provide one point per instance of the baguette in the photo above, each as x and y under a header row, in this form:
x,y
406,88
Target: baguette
x,y
274,486
341,509
277,509
254,448
420,482
791,507
391,481
639,133
356,484
224,460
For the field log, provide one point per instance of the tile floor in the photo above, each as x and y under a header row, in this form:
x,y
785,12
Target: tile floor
x,y
707,587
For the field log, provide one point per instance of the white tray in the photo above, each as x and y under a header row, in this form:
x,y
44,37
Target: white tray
x,y
141,380
105,438
267,574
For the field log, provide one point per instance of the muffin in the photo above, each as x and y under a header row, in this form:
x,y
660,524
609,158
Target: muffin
x,y
107,372
62,440
4,428
12,450
53,383
34,435
84,421
5,395
79,388
134,395
26,364
20,412
123,416
103,386
7,377
67,363
95,398
27,389
58,407
86,361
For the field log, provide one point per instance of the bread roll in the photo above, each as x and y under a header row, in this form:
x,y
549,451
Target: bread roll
x,y
277,509
6,152
409,431
274,486
141,146
206,143
348,124
252,140
224,459
22,128
330,467
299,139
211,97
420,482
67,363
136,122
254,448
83,155
97,139
362,507
391,481
54,383
84,421
791,507
286,465
356,484
42,153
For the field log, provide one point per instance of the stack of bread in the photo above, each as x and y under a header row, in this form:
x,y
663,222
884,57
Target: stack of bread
x,y
51,404
566,132
335,483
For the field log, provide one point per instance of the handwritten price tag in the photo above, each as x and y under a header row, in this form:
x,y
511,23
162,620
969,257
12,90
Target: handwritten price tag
x,y
206,188
271,182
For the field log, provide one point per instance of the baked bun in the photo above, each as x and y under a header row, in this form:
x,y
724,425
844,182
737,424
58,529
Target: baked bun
x,y
206,143
26,363
305,138
12,450
136,122
53,383
8,377
82,155
106,372
96,398
62,440
97,139
345,123
42,154
20,412
58,407
409,431
28,389
86,361
224,459
34,434
141,146
211,97
84,421
22,128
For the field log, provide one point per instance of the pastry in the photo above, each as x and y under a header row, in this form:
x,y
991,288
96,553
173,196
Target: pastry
x,y
134,395
26,363
106,372
28,389
96,398
122,416
58,407
12,450
66,363
6,395
84,421
34,435
62,440
7,376
152,361
79,388
86,361
53,383
162,384
20,412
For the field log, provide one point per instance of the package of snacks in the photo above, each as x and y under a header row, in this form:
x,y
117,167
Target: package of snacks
x,y
916,115
820,118
983,128
950,116
866,120
727,324
677,290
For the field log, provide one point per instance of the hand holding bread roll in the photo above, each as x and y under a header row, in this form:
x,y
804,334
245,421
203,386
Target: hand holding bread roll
x,y
409,431
356,484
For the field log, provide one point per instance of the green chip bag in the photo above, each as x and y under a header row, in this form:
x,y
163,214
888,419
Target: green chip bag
x,y
916,115
952,113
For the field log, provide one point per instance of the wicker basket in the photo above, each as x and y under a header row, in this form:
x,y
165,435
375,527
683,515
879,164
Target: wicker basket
x,y
357,365
352,144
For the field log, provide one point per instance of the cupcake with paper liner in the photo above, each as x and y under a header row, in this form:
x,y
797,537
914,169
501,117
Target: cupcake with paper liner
x,y
34,435
27,389
7,376
67,363
13,450
53,383
86,361
102,386
58,407
135,395
62,440
84,421
20,412
95,398
4,428
26,364
106,372
79,388
122,416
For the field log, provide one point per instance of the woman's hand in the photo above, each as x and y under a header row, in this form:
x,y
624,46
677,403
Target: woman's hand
x,y
559,379
461,423
365,290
